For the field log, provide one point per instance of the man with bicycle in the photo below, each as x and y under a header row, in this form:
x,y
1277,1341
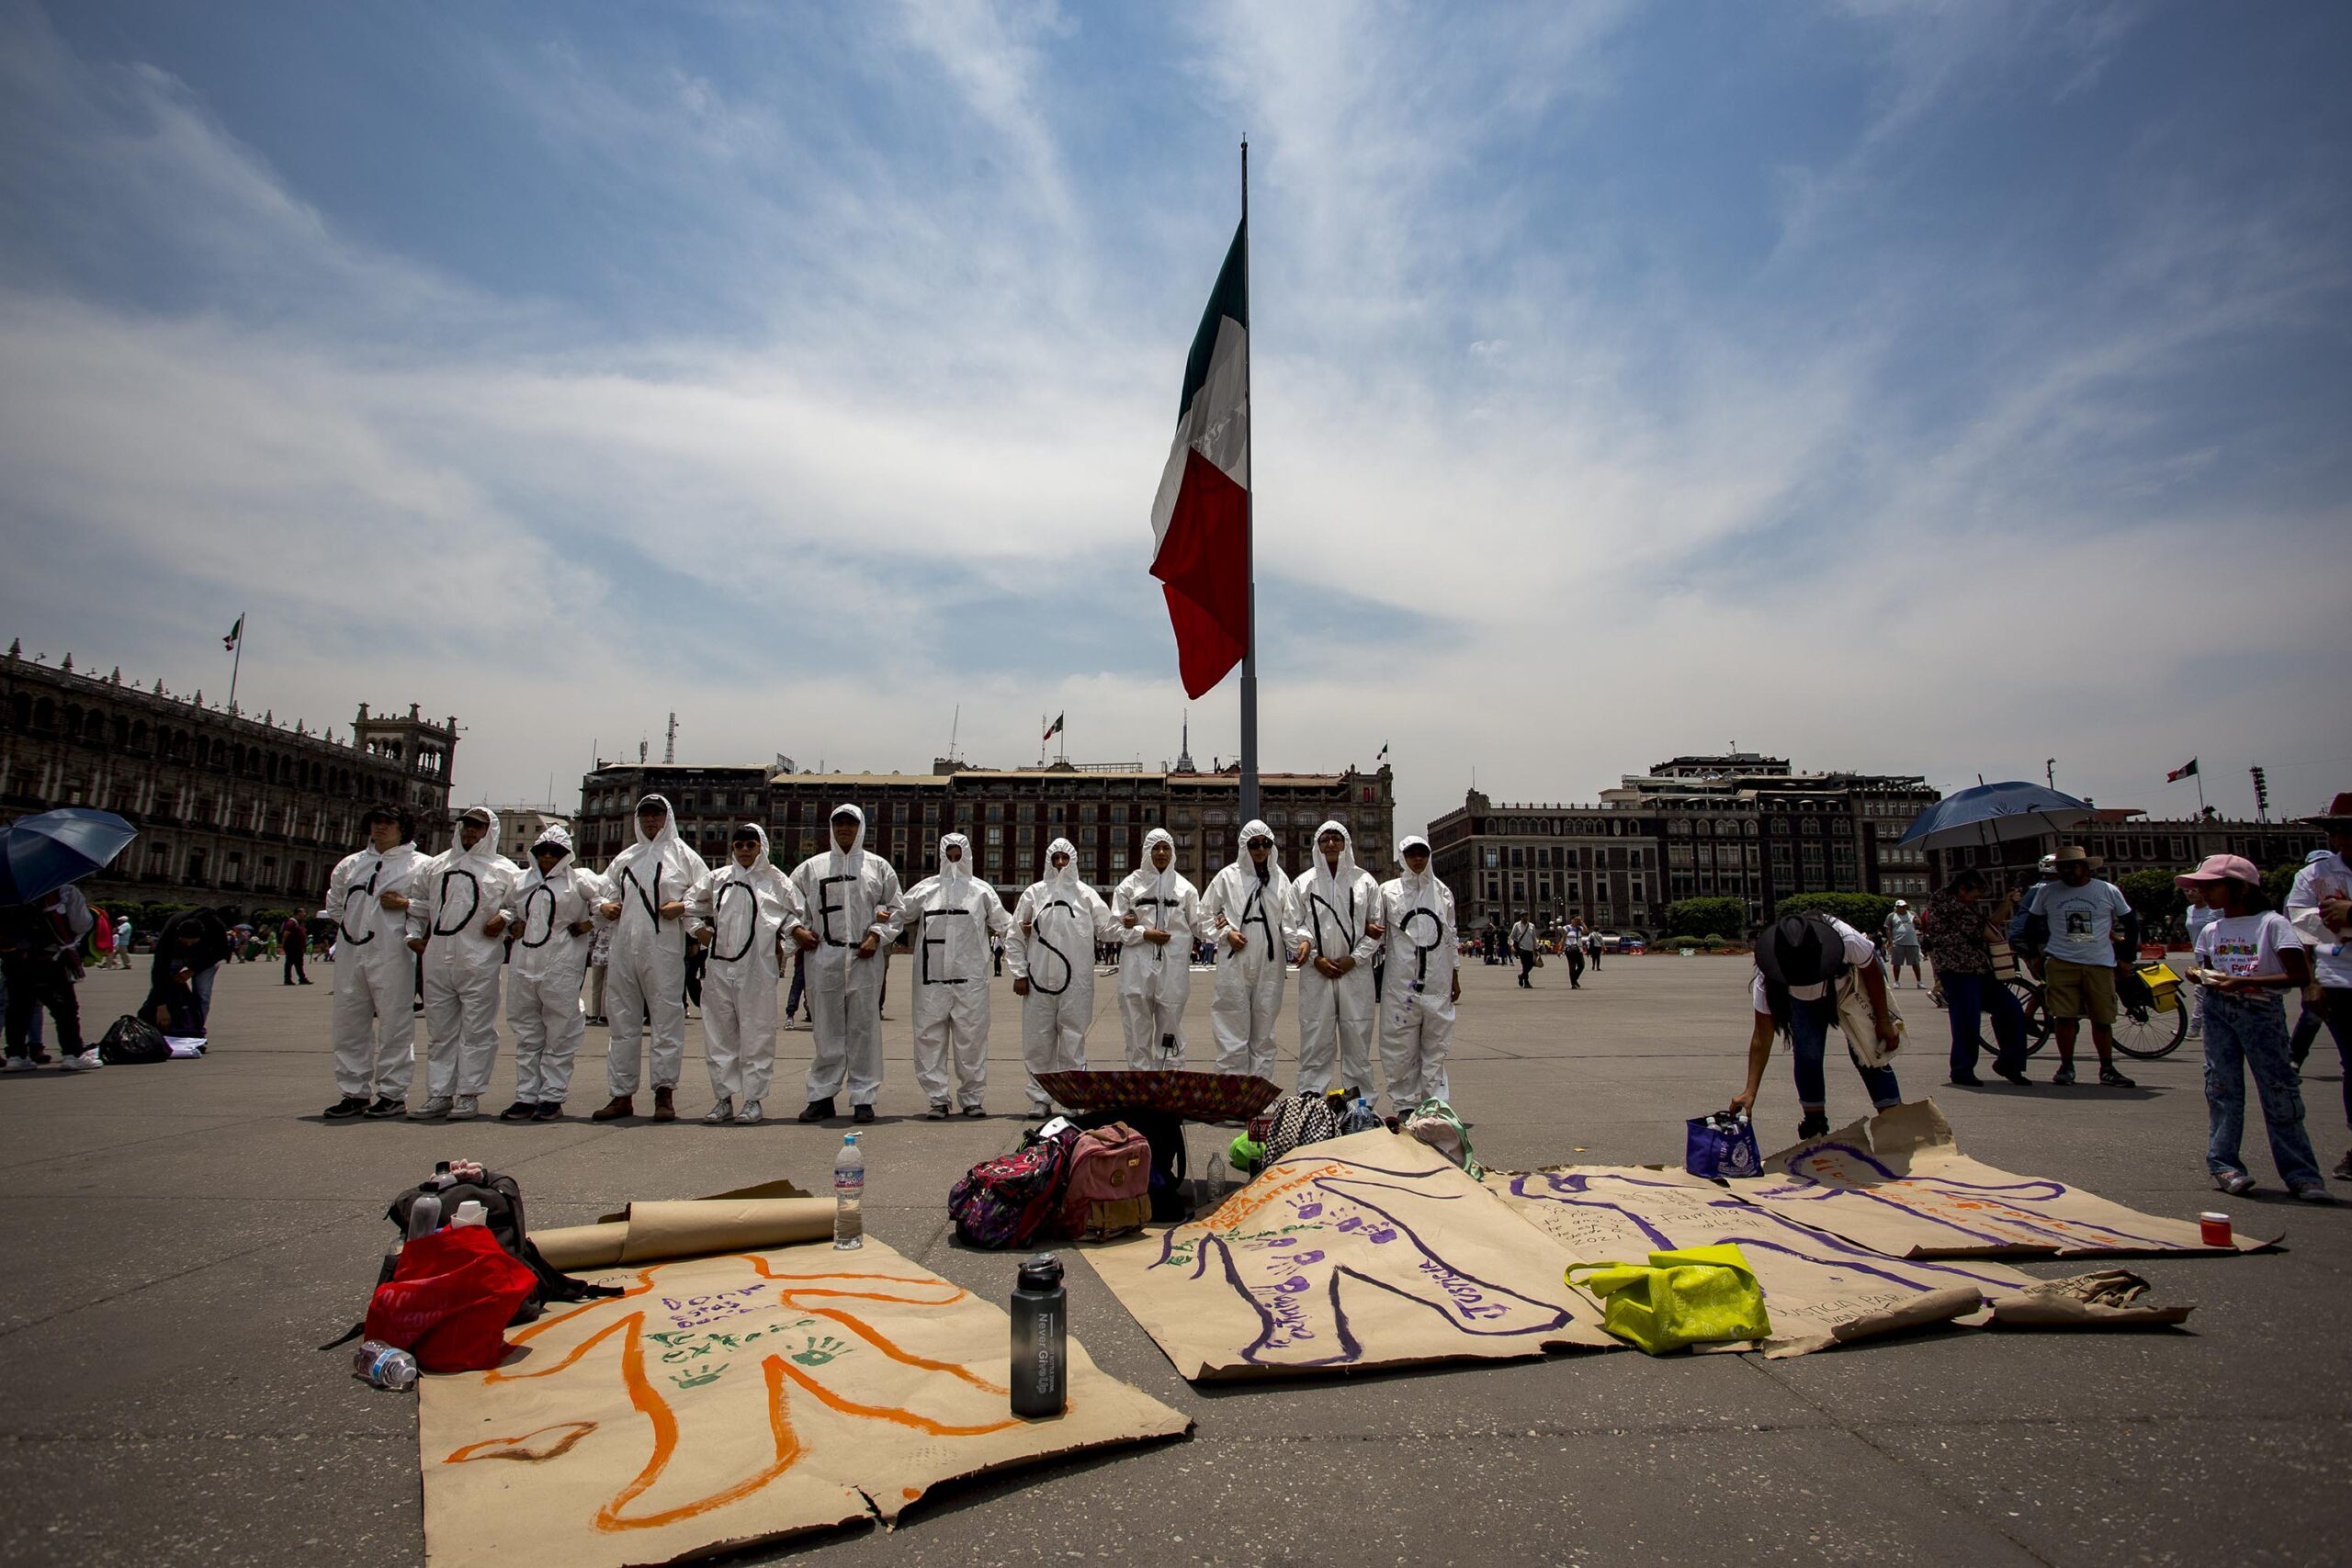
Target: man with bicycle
x,y
2078,925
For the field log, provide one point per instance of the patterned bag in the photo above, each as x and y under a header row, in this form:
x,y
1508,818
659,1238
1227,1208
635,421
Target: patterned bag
x,y
1305,1118
1009,1202
1721,1145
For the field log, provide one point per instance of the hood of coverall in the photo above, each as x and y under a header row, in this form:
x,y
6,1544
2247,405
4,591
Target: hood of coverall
x,y
953,874
1159,836
554,833
858,844
1347,852
1064,881
1253,829
737,831
669,834
1405,873
485,850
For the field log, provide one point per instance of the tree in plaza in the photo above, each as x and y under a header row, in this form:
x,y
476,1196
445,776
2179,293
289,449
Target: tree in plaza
x,y
1707,917
1863,911
2154,898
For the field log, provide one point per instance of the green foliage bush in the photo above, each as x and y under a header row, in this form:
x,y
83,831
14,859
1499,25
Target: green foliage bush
x,y
1706,917
1863,911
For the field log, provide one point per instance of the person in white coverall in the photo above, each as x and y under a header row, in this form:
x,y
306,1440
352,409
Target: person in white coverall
x,y
1338,916
457,919
1252,908
954,919
851,899
1423,983
552,916
1158,911
645,978
741,912
375,1030
1058,921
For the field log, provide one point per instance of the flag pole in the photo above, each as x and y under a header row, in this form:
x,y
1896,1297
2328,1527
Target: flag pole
x,y
1249,535
236,659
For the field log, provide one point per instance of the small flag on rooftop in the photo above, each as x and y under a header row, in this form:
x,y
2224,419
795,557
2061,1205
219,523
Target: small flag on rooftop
x,y
2187,770
228,643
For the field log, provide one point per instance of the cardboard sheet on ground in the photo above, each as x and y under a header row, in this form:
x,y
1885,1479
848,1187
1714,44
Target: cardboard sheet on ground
x,y
1819,1289
687,1228
733,1399
1897,1183
1365,1251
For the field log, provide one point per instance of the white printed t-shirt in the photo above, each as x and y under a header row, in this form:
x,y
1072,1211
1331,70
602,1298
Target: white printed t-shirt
x,y
2082,920
2247,944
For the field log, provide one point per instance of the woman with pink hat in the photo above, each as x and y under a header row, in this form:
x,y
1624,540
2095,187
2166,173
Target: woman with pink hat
x,y
2245,960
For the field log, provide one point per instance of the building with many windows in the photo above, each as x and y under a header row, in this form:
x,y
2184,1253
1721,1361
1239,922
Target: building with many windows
x,y
1738,825
2126,839
1008,814
235,813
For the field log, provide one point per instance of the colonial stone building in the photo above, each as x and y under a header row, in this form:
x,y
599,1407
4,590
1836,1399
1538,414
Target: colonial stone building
x,y
2126,839
1009,815
234,812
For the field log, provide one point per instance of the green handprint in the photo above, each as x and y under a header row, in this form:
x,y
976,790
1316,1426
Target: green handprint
x,y
696,1379
820,1350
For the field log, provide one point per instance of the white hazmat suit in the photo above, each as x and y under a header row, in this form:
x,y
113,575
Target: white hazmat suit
x,y
1249,995
1417,998
459,892
375,973
544,969
1339,913
1155,978
953,918
848,896
1059,920
645,976
748,910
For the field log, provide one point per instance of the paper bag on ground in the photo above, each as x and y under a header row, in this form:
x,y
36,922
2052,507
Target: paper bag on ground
x,y
735,1399
1365,1251
1898,1183
1820,1289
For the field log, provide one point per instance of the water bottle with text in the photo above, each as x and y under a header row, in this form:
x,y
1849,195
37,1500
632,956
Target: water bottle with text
x,y
380,1366
1040,1339
849,1194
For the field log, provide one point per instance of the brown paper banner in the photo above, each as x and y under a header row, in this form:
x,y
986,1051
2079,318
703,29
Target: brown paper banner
x,y
687,1228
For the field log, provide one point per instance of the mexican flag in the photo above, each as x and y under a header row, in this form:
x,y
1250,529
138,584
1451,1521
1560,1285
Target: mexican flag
x,y
2188,770
1200,523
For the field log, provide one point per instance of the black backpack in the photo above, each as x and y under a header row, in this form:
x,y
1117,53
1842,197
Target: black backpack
x,y
501,1201
133,1041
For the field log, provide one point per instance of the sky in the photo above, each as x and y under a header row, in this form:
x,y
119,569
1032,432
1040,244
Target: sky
x,y
1911,387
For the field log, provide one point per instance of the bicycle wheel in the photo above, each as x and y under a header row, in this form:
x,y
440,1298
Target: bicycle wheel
x,y
2150,1032
2037,1026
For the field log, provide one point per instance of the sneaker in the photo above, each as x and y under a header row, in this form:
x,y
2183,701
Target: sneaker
x,y
433,1109
2110,1078
2343,1166
750,1115
818,1111
17,1064
938,1111
386,1105
976,1111
349,1108
521,1111
620,1105
465,1108
1812,1126
722,1111
548,1111
2236,1183
665,1107
87,1061
861,1113
1966,1080
2064,1075
2314,1194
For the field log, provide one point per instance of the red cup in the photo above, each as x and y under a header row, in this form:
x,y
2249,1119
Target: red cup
x,y
2215,1229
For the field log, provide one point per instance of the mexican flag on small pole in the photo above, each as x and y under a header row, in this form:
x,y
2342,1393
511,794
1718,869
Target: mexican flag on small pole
x,y
1051,731
2188,771
235,645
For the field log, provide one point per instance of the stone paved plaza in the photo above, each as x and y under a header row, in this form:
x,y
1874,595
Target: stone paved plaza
x,y
179,1236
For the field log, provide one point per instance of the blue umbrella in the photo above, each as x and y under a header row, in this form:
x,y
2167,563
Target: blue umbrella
x,y
1995,813
40,855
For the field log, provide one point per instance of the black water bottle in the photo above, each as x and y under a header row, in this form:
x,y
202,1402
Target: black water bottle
x,y
1040,1339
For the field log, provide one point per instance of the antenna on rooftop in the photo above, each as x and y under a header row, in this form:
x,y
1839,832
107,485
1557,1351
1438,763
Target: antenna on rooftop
x,y
670,744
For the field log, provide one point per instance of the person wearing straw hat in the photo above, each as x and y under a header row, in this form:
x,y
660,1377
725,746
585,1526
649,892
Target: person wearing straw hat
x,y
1799,959
2319,907
2245,960
2086,920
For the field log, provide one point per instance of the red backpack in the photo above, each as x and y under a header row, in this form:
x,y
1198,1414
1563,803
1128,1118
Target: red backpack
x,y
1109,1190
449,1299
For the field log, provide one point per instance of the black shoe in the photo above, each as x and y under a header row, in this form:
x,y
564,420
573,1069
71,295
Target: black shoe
x,y
1967,1080
548,1111
1812,1126
861,1113
289,982
387,1105
818,1111
976,1111
521,1111
2064,1077
349,1108
2344,1166
2015,1075
938,1111
302,982
2109,1078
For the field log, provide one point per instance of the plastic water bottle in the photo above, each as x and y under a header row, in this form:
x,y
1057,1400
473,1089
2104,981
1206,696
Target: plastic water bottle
x,y
849,1194
1040,1339
470,1213
380,1366
424,1215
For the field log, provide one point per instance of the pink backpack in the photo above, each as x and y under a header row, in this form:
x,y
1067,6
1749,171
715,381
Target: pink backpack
x,y
1110,1183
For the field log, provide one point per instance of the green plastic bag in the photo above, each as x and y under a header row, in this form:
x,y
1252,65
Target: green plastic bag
x,y
1701,1295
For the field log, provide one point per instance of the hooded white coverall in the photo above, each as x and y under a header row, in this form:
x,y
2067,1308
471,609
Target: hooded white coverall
x,y
1417,1002
1339,913
458,893
1060,918
645,976
953,918
847,896
1155,978
1249,995
749,908
375,977
544,969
